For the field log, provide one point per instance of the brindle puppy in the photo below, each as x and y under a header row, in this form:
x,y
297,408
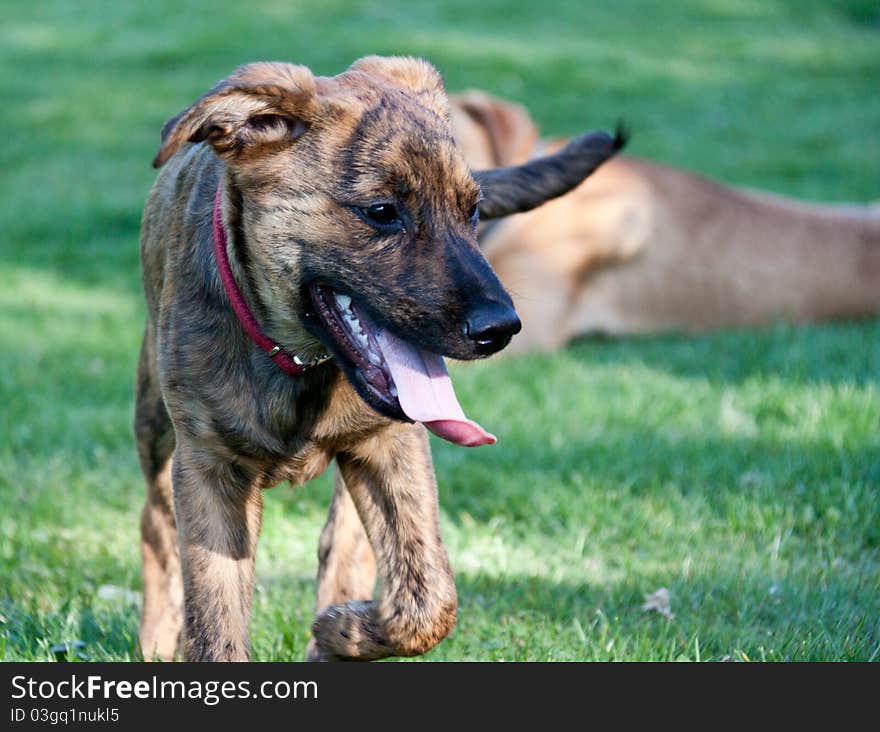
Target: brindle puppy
x,y
347,215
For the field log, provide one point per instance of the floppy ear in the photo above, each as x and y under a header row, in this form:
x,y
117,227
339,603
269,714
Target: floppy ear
x,y
512,133
261,104
523,187
410,73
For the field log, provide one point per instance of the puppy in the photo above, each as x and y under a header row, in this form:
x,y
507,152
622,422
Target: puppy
x,y
309,256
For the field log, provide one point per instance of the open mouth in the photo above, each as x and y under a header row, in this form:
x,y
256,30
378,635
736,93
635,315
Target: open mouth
x,y
395,377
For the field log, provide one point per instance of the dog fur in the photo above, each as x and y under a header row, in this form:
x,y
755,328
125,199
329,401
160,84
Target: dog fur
x,y
644,248
296,158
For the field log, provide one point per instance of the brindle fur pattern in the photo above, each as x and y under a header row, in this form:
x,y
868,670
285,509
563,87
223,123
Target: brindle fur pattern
x,y
217,421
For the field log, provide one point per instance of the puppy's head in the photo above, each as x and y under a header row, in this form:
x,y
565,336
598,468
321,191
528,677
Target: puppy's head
x,y
358,215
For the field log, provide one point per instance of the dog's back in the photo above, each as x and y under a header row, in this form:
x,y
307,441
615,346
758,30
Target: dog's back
x,y
712,256
171,215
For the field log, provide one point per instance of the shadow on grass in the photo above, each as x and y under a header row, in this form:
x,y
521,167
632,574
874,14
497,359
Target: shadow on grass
x,y
756,614
816,486
98,632
536,618
843,352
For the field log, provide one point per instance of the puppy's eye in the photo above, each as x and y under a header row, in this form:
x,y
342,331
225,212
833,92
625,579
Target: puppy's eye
x,y
381,214
474,213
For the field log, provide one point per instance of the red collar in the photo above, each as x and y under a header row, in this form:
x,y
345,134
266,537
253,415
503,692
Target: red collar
x,y
291,364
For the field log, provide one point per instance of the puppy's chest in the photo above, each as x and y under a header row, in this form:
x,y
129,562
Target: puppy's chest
x,y
279,452
308,463
296,440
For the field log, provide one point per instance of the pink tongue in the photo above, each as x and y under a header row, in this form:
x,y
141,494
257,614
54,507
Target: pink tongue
x,y
425,392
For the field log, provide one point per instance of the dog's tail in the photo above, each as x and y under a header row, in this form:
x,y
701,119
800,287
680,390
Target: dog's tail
x,y
523,187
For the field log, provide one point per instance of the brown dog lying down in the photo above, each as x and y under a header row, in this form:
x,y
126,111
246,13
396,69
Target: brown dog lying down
x,y
309,256
643,248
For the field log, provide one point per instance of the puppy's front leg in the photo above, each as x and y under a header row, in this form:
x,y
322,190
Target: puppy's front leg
x,y
391,482
219,509
346,565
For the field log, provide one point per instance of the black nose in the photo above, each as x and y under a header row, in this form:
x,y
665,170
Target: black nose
x,y
491,326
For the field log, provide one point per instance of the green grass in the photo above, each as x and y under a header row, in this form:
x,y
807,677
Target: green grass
x,y
740,470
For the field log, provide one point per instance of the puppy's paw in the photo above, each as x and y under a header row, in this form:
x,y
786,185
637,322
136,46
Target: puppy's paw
x,y
349,632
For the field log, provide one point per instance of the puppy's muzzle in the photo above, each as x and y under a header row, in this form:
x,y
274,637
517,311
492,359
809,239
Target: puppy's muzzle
x,y
490,326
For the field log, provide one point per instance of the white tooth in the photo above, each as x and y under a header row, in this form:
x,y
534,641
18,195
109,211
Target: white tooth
x,y
374,358
344,301
362,339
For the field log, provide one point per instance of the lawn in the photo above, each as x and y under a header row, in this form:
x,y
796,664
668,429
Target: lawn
x,y
739,471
